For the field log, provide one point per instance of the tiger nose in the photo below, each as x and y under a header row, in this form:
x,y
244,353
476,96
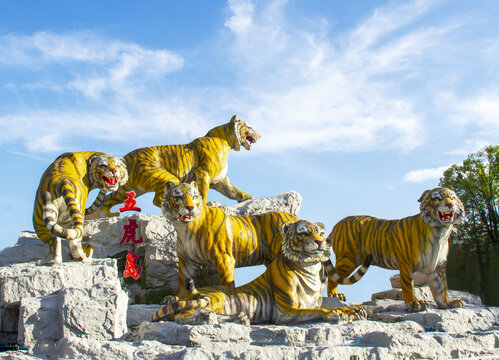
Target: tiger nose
x,y
319,242
188,207
449,205
113,171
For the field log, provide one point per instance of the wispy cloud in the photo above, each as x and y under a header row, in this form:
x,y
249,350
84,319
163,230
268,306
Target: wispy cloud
x,y
301,86
422,175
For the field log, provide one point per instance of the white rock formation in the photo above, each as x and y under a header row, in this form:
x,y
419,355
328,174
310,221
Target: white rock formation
x,y
74,299
78,311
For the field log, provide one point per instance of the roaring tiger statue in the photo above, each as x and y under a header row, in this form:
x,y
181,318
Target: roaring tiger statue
x,y
60,201
288,292
204,160
207,236
415,243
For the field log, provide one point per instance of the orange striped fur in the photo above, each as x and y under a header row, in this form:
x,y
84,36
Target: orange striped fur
x,y
208,236
415,243
288,292
61,198
204,160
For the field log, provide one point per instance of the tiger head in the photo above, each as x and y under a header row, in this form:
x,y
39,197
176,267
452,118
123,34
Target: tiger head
x,y
304,241
243,134
181,202
441,206
107,172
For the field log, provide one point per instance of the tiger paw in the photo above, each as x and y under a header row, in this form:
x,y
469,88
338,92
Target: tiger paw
x,y
88,250
105,212
243,197
455,304
213,204
358,314
170,299
417,305
336,294
242,319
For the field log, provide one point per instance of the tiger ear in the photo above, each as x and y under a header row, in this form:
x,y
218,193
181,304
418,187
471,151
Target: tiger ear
x,y
285,228
423,195
169,185
321,225
94,158
234,119
194,184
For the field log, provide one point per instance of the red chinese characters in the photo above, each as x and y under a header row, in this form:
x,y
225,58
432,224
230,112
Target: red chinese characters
x,y
130,203
131,267
129,233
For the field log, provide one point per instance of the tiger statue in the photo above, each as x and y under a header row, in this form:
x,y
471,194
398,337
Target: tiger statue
x,y
62,195
288,292
207,236
204,160
415,243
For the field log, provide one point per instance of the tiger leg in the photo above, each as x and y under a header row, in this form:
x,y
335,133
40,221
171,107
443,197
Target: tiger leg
x,y
340,314
407,283
156,180
54,257
186,273
80,251
438,287
196,317
225,264
343,268
115,198
225,187
203,180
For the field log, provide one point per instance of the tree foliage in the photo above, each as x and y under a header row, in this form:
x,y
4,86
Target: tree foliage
x,y
474,246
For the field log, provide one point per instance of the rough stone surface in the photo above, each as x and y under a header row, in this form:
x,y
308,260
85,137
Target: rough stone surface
x,y
289,202
138,313
50,302
424,293
74,310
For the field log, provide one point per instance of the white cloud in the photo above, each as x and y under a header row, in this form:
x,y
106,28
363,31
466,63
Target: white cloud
x,y
113,64
422,175
310,91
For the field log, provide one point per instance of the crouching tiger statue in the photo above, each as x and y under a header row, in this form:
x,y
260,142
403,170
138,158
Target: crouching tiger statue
x,y
204,160
288,292
60,201
208,236
415,243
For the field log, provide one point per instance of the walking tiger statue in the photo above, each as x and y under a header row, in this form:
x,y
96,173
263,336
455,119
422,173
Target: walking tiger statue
x,y
203,160
208,236
415,243
288,292
60,201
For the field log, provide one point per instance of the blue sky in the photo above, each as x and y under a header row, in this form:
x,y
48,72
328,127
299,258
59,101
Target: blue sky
x,y
361,105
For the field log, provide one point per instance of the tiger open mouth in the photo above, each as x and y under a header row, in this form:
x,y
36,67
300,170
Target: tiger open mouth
x,y
110,182
446,216
185,218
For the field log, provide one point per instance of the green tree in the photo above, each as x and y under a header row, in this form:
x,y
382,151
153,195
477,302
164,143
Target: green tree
x,y
473,261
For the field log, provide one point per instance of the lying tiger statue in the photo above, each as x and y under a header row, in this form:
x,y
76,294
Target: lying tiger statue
x,y
208,236
62,195
415,243
288,292
204,160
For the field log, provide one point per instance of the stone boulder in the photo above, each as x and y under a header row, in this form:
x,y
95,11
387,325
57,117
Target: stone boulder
x,y
41,304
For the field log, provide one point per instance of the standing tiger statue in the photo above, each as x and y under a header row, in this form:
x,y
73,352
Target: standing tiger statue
x,y
60,201
207,236
288,292
415,243
204,160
